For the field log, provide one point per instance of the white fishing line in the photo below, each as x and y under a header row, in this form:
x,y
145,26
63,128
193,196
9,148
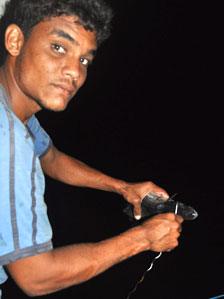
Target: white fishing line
x,y
150,267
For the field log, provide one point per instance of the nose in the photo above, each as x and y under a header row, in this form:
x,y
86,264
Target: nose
x,y
73,70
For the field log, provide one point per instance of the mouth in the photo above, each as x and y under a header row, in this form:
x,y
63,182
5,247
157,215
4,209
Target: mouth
x,y
66,89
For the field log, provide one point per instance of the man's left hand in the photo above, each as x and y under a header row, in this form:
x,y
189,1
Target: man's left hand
x,y
135,192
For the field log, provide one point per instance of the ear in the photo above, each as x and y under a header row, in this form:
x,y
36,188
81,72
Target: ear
x,y
14,40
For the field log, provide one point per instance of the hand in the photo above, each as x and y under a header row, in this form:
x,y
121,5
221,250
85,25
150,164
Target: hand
x,y
135,192
162,231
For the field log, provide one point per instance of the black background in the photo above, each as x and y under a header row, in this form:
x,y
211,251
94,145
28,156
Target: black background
x,y
150,110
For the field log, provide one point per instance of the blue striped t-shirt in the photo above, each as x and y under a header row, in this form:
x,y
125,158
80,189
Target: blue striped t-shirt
x,y
24,226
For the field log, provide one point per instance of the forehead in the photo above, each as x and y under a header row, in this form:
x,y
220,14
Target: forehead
x,y
67,27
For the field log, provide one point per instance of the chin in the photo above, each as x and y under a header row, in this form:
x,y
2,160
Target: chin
x,y
54,109
54,105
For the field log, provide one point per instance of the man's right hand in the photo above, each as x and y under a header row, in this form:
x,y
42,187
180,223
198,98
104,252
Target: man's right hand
x,y
162,231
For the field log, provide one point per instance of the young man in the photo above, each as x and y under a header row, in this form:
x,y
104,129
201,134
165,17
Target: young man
x,y
48,45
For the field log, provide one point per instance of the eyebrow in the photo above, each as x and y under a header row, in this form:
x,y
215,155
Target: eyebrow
x,y
67,36
62,33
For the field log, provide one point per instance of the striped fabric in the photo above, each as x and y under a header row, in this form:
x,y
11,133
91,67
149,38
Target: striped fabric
x,y
24,226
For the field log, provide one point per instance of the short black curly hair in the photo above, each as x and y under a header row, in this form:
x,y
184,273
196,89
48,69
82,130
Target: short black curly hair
x,y
94,15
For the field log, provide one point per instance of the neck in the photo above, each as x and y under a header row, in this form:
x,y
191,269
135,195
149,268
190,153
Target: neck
x,y
22,105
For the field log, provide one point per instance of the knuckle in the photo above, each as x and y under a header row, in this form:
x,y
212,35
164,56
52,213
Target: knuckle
x,y
170,216
175,243
177,235
176,225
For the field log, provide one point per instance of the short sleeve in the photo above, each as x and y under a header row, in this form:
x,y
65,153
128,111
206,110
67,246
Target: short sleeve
x,y
3,276
42,141
25,229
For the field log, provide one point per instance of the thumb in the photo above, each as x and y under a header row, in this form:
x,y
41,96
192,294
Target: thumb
x,y
137,211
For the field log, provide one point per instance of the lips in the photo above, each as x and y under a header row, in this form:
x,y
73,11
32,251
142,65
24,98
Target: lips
x,y
70,90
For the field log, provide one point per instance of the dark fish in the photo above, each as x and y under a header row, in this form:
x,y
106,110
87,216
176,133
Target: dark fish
x,y
152,205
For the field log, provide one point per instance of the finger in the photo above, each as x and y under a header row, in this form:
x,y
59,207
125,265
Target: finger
x,y
163,194
173,246
137,211
168,216
179,218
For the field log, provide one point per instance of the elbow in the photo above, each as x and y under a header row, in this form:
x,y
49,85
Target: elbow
x,y
32,289
31,293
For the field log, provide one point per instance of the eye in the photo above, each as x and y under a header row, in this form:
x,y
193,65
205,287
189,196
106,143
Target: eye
x,y
58,48
84,61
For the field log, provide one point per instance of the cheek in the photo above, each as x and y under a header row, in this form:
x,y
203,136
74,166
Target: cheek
x,y
35,70
22,72
31,76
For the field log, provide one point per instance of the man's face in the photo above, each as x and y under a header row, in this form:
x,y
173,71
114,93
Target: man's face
x,y
53,62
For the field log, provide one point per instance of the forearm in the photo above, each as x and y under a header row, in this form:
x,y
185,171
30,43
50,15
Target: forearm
x,y
94,259
67,266
74,172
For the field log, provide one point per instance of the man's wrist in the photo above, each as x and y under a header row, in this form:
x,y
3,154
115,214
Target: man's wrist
x,y
138,239
121,187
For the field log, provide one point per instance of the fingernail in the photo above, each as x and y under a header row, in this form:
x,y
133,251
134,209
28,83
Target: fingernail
x,y
165,196
137,217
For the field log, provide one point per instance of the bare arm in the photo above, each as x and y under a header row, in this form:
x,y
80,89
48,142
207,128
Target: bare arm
x,y
74,172
70,265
